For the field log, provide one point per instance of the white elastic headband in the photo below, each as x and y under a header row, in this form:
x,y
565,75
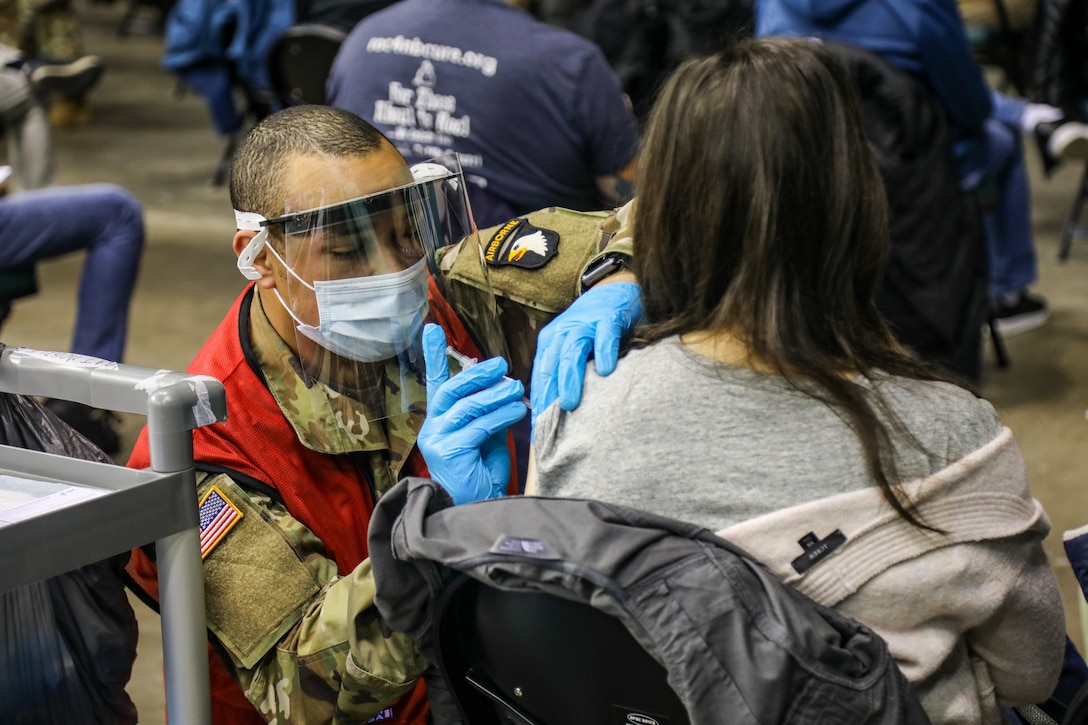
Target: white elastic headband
x,y
248,220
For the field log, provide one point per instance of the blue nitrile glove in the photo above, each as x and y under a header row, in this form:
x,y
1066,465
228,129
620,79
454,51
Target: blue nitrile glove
x,y
596,321
463,439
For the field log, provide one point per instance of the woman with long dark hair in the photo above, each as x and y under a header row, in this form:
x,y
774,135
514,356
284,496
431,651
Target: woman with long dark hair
x,y
765,398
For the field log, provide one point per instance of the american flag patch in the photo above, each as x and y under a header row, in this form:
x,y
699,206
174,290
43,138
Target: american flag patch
x,y
217,517
386,714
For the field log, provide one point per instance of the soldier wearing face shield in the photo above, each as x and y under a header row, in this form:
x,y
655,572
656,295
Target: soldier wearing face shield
x,y
350,256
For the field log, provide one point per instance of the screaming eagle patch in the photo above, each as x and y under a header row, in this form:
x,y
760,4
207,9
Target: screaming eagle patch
x,y
518,243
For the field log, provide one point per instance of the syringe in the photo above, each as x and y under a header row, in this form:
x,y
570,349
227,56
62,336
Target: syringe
x,y
460,358
466,362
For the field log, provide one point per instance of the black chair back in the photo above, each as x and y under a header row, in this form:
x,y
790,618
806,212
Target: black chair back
x,y
16,282
299,62
504,662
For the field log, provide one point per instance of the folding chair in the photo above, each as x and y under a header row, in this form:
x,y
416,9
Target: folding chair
x,y
299,62
1072,229
1002,46
1060,57
504,666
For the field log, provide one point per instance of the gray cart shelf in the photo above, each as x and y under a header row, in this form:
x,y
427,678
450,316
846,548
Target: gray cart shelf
x,y
157,505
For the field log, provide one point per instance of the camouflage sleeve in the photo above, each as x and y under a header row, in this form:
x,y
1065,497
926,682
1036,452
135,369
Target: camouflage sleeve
x,y
618,235
305,644
529,298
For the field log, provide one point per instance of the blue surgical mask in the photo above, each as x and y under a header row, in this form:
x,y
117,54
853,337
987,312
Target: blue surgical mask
x,y
367,319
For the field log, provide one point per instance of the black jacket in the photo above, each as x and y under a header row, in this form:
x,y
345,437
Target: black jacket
x,y
934,291
739,646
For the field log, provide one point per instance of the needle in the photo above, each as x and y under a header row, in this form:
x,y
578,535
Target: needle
x,y
466,362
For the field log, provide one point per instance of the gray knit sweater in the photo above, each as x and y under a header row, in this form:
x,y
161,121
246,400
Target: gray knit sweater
x,y
683,436
972,615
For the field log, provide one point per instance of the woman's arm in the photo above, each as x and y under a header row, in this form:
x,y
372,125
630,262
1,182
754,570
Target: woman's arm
x,y
530,474
1023,641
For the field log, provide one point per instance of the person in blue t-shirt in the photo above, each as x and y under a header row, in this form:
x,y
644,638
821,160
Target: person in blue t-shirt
x,y
535,113
927,39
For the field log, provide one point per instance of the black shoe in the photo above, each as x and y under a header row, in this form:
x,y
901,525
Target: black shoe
x,y
1043,132
96,425
1028,313
72,77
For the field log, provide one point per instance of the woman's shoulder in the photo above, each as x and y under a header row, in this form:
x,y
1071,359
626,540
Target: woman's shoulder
x,y
637,362
943,414
947,393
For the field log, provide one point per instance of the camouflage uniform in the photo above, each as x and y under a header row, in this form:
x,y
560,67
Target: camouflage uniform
x,y
41,27
329,630
310,647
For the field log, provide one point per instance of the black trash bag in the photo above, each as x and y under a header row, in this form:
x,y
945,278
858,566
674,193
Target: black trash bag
x,y
67,644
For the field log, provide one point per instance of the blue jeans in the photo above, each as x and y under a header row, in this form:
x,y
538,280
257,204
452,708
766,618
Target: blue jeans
x,y
1009,239
107,222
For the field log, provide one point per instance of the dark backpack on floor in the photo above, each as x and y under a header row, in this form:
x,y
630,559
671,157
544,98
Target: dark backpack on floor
x,y
737,644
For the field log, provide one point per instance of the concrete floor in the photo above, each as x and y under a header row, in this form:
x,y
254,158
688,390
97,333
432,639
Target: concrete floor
x,y
162,148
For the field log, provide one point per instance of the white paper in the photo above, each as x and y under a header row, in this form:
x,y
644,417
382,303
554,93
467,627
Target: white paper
x,y
25,498
65,358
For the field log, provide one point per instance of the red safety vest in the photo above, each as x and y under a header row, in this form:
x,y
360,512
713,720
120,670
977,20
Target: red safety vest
x,y
338,511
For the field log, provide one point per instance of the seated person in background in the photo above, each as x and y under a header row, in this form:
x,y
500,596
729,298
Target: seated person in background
x,y
765,398
49,30
106,222
26,86
320,358
535,112
927,39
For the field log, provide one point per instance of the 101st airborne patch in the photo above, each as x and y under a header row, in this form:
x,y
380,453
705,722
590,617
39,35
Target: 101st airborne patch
x,y
518,243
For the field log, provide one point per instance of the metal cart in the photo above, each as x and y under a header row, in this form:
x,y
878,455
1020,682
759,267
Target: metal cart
x,y
130,507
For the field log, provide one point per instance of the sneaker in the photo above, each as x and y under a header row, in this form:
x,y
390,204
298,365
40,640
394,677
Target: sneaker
x,y
1028,313
1069,141
70,78
96,425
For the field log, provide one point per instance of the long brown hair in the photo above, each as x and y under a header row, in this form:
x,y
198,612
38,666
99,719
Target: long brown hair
x,y
761,213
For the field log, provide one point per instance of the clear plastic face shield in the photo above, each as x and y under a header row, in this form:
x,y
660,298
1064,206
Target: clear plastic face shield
x,y
361,277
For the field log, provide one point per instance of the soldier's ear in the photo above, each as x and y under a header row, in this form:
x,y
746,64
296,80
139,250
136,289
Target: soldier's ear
x,y
253,258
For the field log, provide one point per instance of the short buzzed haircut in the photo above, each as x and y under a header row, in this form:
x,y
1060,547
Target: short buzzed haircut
x,y
259,165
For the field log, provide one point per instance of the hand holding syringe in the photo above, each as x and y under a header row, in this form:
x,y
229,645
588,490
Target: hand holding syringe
x,y
464,436
466,362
